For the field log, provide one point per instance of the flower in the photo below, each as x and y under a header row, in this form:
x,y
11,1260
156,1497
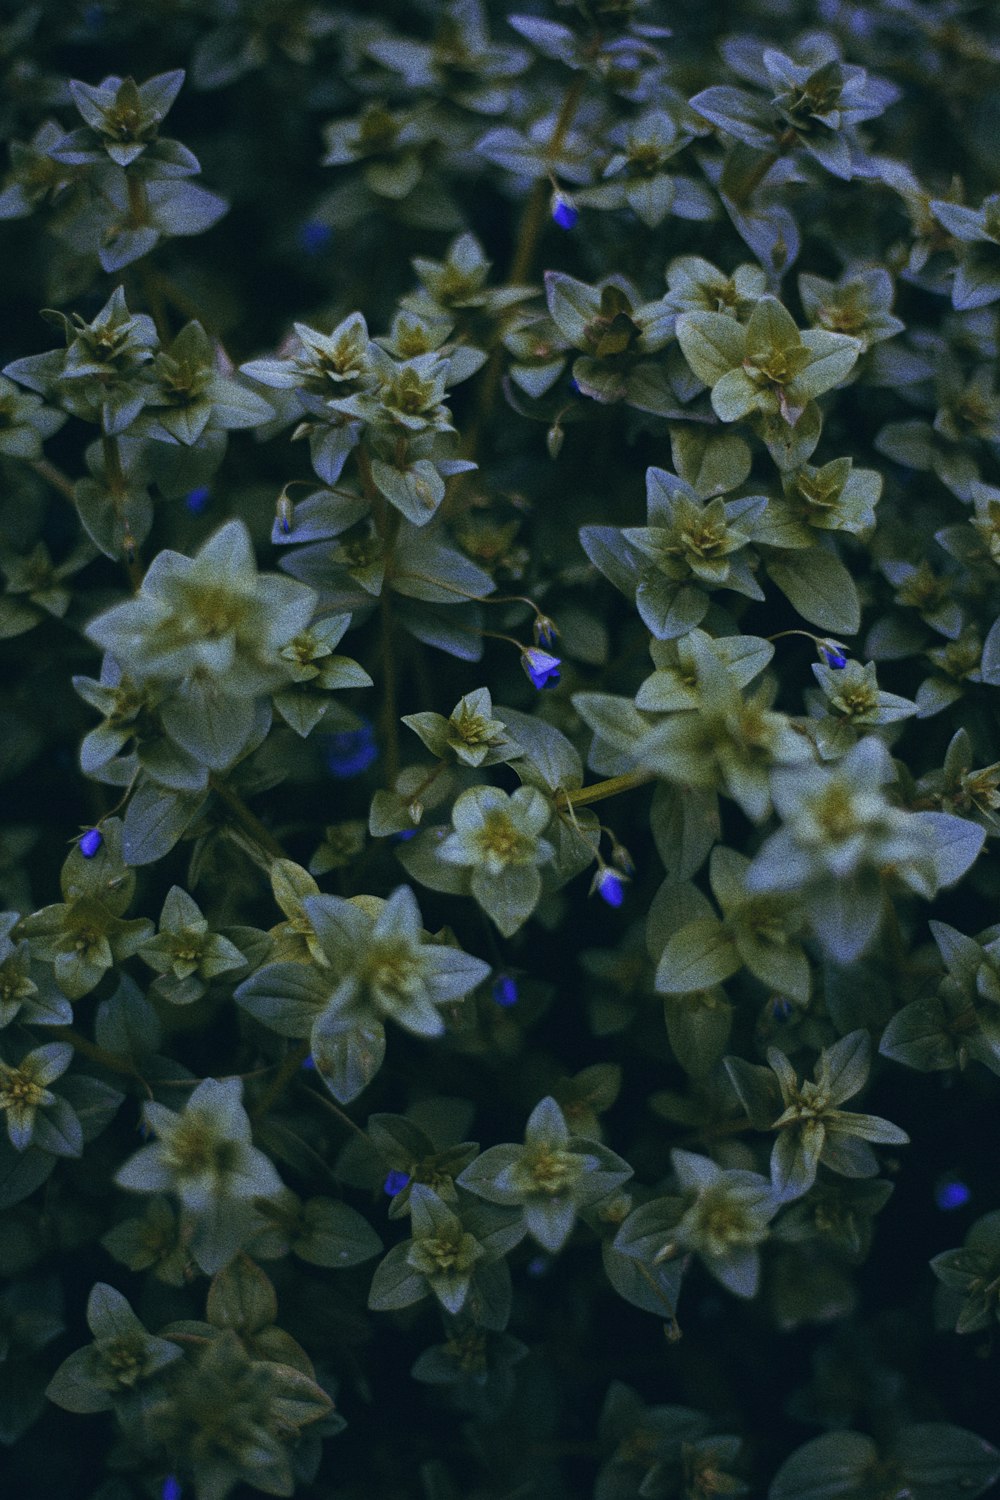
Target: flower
x,y
171,1488
91,842
608,885
542,669
350,751
505,990
544,630
197,500
950,1193
832,658
395,1182
564,211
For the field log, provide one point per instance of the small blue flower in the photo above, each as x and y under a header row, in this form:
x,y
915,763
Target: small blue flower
x,y
544,630
171,1488
542,669
950,1194
91,842
608,885
538,1265
505,990
781,1008
833,657
404,835
308,1064
395,1182
350,752
197,500
564,211
315,237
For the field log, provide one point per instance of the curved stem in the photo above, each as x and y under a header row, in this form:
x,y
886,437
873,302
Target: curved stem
x,y
247,820
583,795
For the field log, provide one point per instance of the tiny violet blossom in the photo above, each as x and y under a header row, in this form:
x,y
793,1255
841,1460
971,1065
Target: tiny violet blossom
x,y
350,751
564,211
609,886
950,1194
171,1488
545,632
832,656
197,500
541,668
394,1183
90,843
505,990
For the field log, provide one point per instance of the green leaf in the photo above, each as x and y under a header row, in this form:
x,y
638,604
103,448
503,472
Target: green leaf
x,y
155,819
699,956
818,585
334,1234
241,1297
347,1059
835,1466
712,343
940,1461
395,1283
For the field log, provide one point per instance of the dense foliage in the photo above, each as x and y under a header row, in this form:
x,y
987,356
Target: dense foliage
x,y
496,424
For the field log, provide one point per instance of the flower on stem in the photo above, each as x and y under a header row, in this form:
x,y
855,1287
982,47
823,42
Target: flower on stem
x,y
832,653
91,842
505,990
564,211
541,668
545,631
609,885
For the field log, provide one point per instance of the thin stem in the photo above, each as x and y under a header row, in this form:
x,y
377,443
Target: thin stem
x,y
118,485
581,796
280,1082
335,1109
247,820
56,478
528,235
386,527
534,214
115,1062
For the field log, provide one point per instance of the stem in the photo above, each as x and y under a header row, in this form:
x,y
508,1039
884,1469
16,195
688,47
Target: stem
x,y
115,1062
280,1081
583,795
534,214
335,1109
118,485
388,715
58,480
386,528
247,820
530,229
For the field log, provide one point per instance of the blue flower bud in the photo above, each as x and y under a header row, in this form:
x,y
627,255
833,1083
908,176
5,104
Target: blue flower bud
x,y
544,630
950,1194
308,1064
171,1488
542,669
314,237
564,210
781,1008
832,657
350,752
505,990
197,500
395,1182
91,842
608,885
